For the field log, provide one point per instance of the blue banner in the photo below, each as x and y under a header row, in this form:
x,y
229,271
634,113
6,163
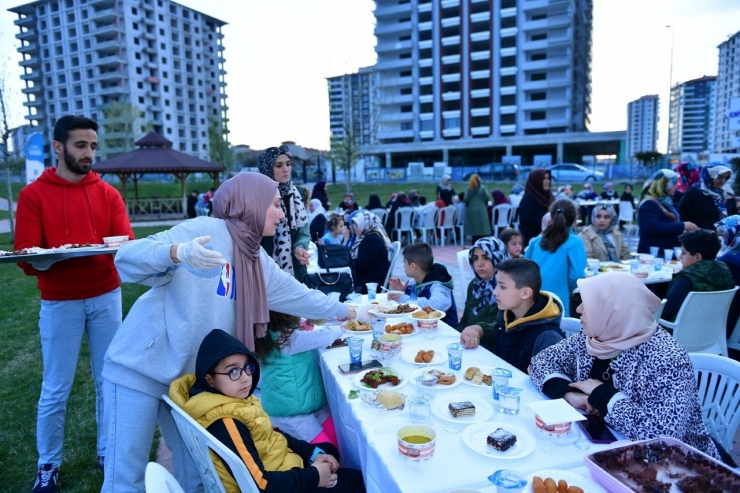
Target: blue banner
x,y
385,174
34,156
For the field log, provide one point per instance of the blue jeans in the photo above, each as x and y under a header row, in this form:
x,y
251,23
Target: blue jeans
x,y
61,325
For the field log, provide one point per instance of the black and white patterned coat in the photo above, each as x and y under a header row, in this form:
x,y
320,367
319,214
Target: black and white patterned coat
x,y
656,387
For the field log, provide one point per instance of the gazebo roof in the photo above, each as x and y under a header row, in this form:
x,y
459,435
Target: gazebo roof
x,y
155,155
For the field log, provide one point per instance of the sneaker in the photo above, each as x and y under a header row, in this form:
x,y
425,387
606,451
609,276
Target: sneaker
x,y
101,462
47,479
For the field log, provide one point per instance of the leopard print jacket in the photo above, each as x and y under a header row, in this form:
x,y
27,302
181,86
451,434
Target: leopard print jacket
x,y
657,389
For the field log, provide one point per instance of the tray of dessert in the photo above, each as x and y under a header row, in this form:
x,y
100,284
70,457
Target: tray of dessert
x,y
499,440
562,481
462,409
62,252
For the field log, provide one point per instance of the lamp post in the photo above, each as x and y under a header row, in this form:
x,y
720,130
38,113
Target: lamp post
x,y
670,94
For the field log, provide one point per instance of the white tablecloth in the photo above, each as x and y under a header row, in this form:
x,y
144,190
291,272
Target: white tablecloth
x,y
368,441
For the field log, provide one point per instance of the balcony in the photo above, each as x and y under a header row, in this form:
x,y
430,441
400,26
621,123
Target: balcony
x,y
480,93
399,81
480,111
451,132
451,77
480,74
426,98
480,17
104,15
27,35
426,62
509,32
426,134
481,36
425,44
149,50
425,81
29,48
26,21
34,75
147,21
535,25
38,117
451,40
451,96
149,36
481,55
30,62
535,4
147,5
110,61
451,114
101,3
111,76
507,90
32,89
392,46
106,29
426,116
450,59
425,7
451,21
508,51
35,103
540,44
510,12
508,109
106,47
396,63
480,130
393,10
450,3
507,129
558,20
393,27
508,71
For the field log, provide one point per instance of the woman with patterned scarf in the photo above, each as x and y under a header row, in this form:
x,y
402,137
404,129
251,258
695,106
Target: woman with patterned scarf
x,y
289,246
706,202
602,239
729,229
659,221
481,311
369,250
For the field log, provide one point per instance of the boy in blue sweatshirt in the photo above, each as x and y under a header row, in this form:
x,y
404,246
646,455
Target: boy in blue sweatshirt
x,y
430,283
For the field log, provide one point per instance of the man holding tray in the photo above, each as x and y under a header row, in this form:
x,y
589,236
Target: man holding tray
x,y
66,205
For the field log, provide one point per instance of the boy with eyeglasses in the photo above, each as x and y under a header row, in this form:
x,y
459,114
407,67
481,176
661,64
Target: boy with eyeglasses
x,y
219,397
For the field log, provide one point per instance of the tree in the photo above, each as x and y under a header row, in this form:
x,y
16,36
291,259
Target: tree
x,y
648,157
121,124
345,151
4,139
220,149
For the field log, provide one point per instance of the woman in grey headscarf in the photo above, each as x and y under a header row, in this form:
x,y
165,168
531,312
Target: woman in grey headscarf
x,y
289,246
602,239
445,190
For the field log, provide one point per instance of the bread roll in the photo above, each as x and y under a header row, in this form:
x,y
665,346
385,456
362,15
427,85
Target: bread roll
x,y
390,399
470,372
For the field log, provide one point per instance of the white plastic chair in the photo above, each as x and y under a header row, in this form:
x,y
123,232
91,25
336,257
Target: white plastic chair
x,y
627,212
501,218
718,385
427,221
446,222
466,275
460,224
404,223
734,340
570,326
515,216
157,479
381,213
393,257
701,323
199,442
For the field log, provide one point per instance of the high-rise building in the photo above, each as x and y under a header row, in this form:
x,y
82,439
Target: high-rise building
x,y
728,88
691,116
642,126
151,64
351,106
482,69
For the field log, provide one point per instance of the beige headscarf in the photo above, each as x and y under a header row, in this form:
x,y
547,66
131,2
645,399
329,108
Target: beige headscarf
x,y
242,202
619,310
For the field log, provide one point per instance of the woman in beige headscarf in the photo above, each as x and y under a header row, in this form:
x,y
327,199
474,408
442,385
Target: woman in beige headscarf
x,y
623,367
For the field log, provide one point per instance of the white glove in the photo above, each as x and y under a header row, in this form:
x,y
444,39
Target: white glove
x,y
193,254
363,315
42,265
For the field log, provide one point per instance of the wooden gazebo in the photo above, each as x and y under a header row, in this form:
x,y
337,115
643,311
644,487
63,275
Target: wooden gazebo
x,y
155,155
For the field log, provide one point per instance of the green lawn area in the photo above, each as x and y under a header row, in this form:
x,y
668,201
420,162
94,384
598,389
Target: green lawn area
x,y
20,384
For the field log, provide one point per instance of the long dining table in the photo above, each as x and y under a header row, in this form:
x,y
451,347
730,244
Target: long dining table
x,y
368,437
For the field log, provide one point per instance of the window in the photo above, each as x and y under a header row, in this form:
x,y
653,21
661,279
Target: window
x,y
538,115
451,123
538,96
134,11
538,76
539,37
407,125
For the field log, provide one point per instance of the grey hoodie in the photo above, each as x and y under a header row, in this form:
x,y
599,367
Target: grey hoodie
x,y
159,339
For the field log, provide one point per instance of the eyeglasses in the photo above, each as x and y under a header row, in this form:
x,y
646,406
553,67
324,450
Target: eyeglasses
x,y
236,373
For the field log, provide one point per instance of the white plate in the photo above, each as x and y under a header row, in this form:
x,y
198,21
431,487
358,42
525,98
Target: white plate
x,y
356,332
415,330
394,315
458,377
408,353
389,386
475,438
485,370
571,478
483,410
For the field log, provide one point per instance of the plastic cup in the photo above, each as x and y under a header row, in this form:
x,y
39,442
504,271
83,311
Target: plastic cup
x,y
509,400
593,266
668,254
508,481
372,290
420,410
425,384
334,295
634,265
500,378
677,252
355,349
654,251
454,355
378,329
658,264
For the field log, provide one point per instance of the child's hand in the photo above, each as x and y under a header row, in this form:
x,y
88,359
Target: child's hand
x,y
395,283
333,462
395,296
326,477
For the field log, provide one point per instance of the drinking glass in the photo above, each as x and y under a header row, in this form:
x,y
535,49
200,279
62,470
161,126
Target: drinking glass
x,y
420,410
509,399
355,349
658,264
372,290
454,355
654,251
668,254
500,377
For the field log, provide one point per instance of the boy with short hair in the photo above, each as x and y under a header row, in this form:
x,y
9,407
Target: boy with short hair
x,y
701,272
219,397
432,284
528,319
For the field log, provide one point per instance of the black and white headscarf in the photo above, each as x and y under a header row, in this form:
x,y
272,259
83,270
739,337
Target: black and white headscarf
x,y
368,223
483,288
295,215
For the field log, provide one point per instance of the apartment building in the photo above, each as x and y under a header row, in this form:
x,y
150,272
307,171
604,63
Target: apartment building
x,y
728,88
691,116
642,126
482,69
352,106
163,60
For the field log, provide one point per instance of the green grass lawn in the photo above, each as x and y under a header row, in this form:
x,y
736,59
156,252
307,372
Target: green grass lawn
x,y
20,383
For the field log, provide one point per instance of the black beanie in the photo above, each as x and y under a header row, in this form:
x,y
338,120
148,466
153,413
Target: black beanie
x,y
216,346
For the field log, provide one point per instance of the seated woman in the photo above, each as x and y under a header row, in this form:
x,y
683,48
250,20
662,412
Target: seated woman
x,y
602,239
370,251
316,219
729,228
701,272
706,202
349,204
624,367
481,311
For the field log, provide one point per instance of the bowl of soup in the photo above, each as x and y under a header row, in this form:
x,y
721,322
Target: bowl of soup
x,y
416,442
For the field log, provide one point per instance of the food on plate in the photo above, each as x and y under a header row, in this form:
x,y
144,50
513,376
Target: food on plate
x,y
461,408
487,379
641,275
603,268
501,439
428,312
402,329
390,399
424,356
470,372
476,376
395,309
442,377
356,326
538,485
574,489
374,378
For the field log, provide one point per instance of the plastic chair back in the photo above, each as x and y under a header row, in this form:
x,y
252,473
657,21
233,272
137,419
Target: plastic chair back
x,y
701,323
404,222
427,221
446,222
381,213
466,275
393,258
460,223
501,218
159,480
718,385
734,340
570,326
199,442
626,210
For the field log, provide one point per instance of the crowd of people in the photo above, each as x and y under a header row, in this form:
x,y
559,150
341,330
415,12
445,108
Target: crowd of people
x,y
228,309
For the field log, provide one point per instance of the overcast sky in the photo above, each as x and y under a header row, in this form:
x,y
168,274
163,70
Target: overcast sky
x,y
279,53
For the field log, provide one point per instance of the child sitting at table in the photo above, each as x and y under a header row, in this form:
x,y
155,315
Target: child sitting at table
x,y
431,283
335,231
219,397
514,242
701,272
528,319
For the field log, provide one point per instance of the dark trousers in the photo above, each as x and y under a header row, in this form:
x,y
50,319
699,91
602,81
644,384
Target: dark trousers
x,y
348,480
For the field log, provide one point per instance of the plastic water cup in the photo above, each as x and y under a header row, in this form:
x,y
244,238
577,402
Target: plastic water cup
x,y
372,290
658,264
668,254
355,349
654,251
378,329
677,252
634,265
334,295
425,384
509,400
420,410
454,355
593,266
500,377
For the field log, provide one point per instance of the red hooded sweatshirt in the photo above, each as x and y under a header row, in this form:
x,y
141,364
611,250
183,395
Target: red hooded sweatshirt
x,y
52,212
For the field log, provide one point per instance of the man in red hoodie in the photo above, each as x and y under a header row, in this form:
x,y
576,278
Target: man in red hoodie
x,y
71,204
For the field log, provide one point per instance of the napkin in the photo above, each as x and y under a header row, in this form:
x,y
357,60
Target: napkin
x,y
556,411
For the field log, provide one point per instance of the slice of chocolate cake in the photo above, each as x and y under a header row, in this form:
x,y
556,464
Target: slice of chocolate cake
x,y
501,439
460,409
